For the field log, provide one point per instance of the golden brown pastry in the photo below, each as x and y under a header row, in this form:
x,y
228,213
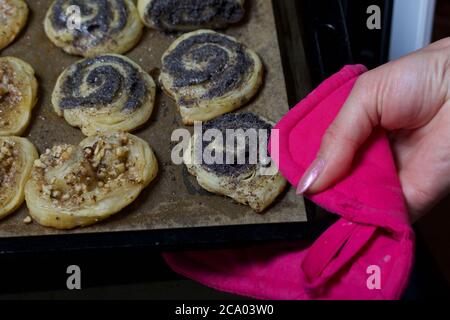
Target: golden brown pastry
x,y
104,93
18,95
104,26
209,74
73,186
16,160
188,15
242,179
13,17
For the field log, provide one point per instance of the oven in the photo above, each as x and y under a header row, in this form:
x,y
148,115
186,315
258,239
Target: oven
x,y
328,34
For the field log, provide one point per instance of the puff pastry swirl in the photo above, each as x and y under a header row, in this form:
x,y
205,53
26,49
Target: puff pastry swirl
x,y
243,181
16,160
91,27
18,95
188,15
74,186
104,93
209,74
13,17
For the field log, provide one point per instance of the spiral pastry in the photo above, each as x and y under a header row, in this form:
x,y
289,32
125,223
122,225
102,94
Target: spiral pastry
x,y
91,27
16,160
13,17
188,15
104,93
242,180
18,95
73,186
209,74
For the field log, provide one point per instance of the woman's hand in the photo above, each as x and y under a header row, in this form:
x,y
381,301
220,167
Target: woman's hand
x,y
410,98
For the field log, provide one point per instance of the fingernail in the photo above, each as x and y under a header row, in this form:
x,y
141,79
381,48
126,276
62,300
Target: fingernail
x,y
310,176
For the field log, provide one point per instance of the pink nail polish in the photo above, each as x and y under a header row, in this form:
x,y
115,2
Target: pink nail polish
x,y
310,176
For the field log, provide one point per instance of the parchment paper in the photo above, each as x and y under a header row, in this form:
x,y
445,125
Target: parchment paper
x,y
174,199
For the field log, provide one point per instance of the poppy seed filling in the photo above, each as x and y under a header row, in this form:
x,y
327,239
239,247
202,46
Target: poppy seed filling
x,y
97,28
233,121
108,81
213,65
218,13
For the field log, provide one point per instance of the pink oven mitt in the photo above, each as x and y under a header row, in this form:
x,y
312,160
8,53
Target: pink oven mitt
x,y
367,254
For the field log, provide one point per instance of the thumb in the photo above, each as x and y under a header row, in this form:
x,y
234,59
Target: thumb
x,y
345,135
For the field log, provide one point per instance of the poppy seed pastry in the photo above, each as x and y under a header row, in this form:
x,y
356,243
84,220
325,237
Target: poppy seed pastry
x,y
189,15
244,181
16,160
91,27
18,95
75,186
104,93
209,74
13,17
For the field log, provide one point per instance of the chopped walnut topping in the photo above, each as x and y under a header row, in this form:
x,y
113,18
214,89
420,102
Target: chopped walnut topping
x,y
52,157
39,164
120,168
10,94
122,152
86,173
6,11
56,194
3,89
88,152
8,162
47,189
124,139
65,197
27,220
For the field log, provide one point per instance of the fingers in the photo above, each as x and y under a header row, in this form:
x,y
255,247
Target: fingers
x,y
441,44
403,94
346,134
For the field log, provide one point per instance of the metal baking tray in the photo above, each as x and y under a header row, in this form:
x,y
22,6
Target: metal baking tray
x,y
173,212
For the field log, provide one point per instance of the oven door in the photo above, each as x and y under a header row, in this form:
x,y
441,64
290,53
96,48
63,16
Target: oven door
x,y
336,33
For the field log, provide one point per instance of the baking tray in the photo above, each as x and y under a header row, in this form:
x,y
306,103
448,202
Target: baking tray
x,y
173,211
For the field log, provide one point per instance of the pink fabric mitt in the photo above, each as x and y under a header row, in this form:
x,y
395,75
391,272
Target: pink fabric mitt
x,y
367,254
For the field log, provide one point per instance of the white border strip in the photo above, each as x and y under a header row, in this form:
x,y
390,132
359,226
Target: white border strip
x,y
412,26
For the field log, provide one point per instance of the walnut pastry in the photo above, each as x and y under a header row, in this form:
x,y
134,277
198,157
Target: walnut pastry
x,y
18,95
104,93
209,74
231,158
13,17
74,186
189,15
91,27
16,161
